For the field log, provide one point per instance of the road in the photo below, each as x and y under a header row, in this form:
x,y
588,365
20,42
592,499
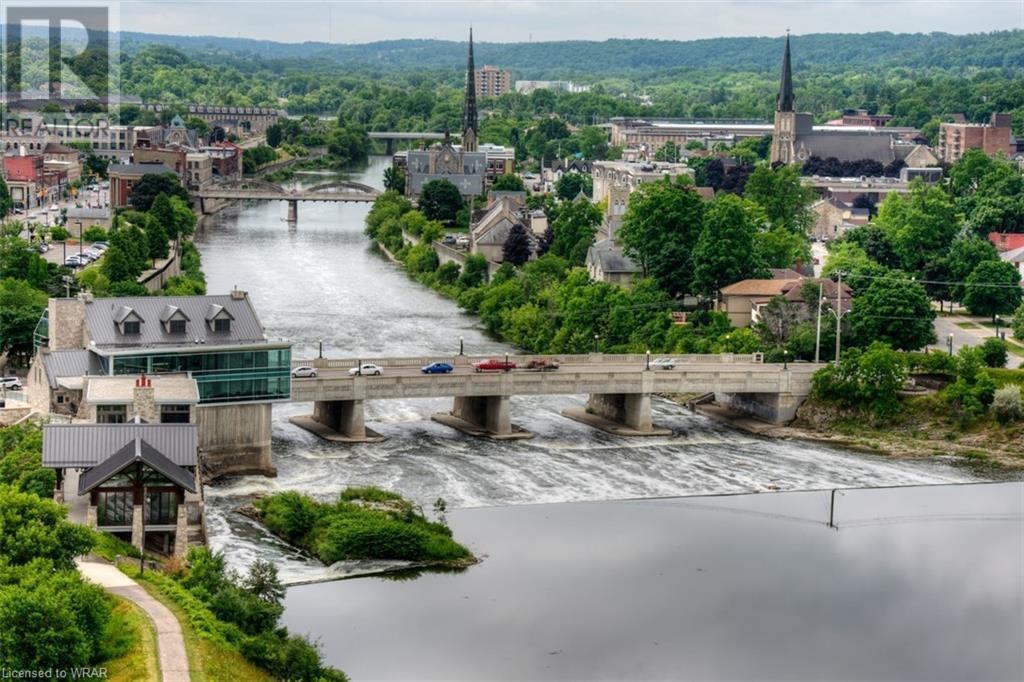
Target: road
x,y
971,336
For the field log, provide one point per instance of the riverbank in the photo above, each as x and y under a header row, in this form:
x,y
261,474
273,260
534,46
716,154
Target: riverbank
x,y
914,436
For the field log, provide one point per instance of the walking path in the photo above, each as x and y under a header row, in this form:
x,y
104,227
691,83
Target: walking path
x,y
169,642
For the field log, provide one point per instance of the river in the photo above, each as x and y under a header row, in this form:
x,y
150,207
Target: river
x,y
322,281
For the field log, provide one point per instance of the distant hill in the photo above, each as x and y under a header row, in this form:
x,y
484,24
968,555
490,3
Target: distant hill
x,y
568,59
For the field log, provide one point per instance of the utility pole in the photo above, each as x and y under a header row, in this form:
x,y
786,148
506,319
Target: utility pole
x,y
832,511
839,313
817,334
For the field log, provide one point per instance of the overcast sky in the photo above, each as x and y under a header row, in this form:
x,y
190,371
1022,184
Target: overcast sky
x,y
343,21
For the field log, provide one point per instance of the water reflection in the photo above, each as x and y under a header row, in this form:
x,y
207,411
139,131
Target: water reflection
x,y
920,583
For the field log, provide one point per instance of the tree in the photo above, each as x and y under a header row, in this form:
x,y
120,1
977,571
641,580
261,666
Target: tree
x,y
474,271
783,196
440,200
993,288
893,311
725,250
994,353
274,135
156,238
920,227
6,203
869,377
964,256
21,305
574,231
660,229
667,152
162,214
145,191
37,529
394,179
517,247
508,182
569,186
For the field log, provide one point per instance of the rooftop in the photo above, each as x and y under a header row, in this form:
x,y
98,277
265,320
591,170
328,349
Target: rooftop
x,y
175,389
86,445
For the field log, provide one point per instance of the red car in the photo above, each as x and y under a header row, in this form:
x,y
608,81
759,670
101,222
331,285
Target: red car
x,y
493,365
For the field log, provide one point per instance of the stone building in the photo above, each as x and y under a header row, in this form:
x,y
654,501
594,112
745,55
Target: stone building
x,y
123,177
137,482
614,181
607,263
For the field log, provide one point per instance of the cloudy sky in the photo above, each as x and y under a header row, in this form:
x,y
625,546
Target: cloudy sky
x,y
343,21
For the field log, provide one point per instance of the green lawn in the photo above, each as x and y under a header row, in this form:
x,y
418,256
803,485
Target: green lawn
x,y
131,632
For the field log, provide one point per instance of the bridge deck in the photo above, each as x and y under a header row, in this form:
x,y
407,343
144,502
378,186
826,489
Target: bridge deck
x,y
406,381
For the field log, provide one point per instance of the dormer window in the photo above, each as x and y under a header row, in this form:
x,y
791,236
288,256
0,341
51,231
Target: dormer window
x,y
128,321
131,327
218,319
222,324
176,326
173,319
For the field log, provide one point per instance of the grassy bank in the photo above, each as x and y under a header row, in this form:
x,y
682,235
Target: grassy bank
x,y
365,523
131,634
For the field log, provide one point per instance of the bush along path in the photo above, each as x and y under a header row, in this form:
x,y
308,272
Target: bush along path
x,y
169,641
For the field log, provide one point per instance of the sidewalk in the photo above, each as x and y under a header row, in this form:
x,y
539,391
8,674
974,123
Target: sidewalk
x,y
169,642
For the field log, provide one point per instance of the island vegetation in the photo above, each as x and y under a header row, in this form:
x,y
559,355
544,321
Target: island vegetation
x,y
364,523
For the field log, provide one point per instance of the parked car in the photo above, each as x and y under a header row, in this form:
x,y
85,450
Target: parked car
x,y
11,383
663,363
541,365
94,254
368,368
42,247
493,365
300,372
462,241
73,261
437,368
102,246
449,239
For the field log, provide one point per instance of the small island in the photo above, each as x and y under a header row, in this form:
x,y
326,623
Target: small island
x,y
364,524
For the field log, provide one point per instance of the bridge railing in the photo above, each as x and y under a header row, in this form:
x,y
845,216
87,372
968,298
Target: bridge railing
x,y
521,359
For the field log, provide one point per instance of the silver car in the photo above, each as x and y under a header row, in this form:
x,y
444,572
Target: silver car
x,y
303,372
367,369
11,383
663,363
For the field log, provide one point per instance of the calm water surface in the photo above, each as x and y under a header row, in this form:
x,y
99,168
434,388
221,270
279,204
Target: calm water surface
x,y
322,281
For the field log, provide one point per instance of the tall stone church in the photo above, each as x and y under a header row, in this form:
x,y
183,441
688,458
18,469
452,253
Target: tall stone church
x,y
796,139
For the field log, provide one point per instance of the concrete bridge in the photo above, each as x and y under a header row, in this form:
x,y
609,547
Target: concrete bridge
x,y
261,190
619,388
391,137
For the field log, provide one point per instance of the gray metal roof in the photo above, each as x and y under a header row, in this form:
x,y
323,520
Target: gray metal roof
x,y
86,445
848,146
94,213
139,168
101,316
69,363
610,258
134,451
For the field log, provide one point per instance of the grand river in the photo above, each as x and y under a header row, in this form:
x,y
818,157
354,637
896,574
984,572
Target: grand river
x,y
321,281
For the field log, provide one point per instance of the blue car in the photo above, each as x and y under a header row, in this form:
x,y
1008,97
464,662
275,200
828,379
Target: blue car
x,y
437,368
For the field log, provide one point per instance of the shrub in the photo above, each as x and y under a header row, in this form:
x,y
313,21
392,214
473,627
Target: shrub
x,y
993,352
289,515
868,377
59,234
369,494
249,612
94,234
449,272
1018,323
207,573
934,362
1007,405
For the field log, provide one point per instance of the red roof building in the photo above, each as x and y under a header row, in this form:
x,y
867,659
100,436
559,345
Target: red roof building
x,y
1006,241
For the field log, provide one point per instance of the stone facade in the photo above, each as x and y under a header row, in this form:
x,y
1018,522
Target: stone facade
x,y
67,323
137,540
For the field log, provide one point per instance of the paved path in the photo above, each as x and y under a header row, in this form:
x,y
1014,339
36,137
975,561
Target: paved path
x,y
970,336
169,642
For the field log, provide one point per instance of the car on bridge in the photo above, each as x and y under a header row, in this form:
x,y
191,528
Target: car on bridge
x,y
367,368
541,365
437,368
494,365
663,363
304,372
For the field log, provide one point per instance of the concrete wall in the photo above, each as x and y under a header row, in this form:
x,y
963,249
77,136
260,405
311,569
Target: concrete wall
x,y
154,280
235,439
778,408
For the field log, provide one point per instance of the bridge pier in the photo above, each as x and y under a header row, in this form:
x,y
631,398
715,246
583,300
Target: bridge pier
x,y
389,146
293,210
621,414
489,416
339,421
777,408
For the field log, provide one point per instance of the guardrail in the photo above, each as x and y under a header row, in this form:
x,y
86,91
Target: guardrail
x,y
521,359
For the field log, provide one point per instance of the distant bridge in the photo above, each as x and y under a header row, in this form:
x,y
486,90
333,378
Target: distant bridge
x,y
261,190
620,389
391,137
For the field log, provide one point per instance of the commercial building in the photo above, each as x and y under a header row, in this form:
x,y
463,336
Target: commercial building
x,y
31,133
123,177
992,137
614,181
242,121
526,87
491,81
217,341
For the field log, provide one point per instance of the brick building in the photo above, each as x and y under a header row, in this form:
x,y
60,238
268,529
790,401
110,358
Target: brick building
x,y
992,137
492,81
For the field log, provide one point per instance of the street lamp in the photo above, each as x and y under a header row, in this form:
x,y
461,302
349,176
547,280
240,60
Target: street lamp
x,y
596,338
997,321
949,342
321,348
506,362
648,361
462,345
785,359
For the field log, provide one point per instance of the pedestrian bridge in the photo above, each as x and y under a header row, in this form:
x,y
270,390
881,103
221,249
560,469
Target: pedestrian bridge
x,y
261,190
619,389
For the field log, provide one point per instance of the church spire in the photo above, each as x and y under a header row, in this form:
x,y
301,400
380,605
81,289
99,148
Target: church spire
x,y
785,101
469,119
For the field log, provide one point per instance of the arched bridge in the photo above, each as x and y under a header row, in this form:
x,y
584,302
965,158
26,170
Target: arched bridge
x,y
390,137
620,389
261,190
